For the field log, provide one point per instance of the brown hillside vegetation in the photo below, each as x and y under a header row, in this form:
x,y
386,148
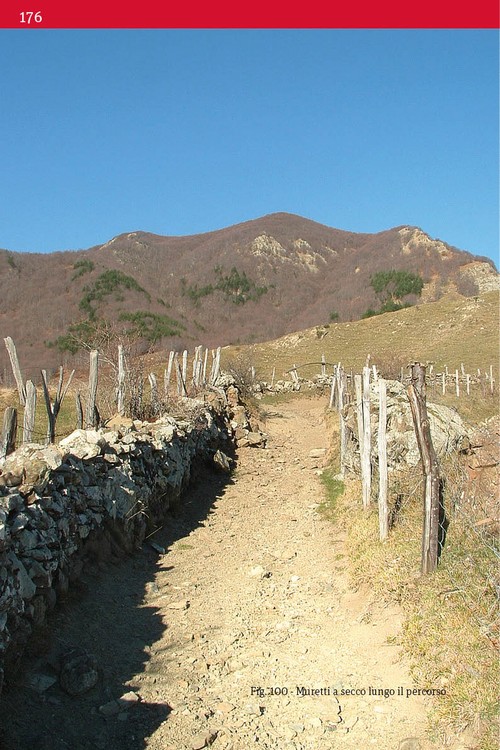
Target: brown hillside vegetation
x,y
251,282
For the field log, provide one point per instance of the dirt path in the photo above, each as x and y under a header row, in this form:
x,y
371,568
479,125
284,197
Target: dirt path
x,y
240,635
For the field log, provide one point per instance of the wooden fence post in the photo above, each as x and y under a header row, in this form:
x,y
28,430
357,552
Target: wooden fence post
x,y
11,348
341,382
9,432
184,368
215,366
430,466
383,513
168,373
181,385
366,469
323,365
332,390
91,409
196,365
120,391
79,411
205,362
155,402
53,408
29,412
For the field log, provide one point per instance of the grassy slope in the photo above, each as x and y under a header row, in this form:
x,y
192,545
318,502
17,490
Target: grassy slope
x,y
449,332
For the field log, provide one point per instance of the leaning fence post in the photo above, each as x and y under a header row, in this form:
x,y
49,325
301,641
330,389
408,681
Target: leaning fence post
x,y
14,361
29,412
383,514
9,432
430,466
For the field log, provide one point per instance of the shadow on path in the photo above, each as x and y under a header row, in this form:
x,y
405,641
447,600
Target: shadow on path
x,y
103,614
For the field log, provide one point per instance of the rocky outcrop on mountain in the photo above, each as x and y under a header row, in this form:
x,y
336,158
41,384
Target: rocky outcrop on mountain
x,y
482,276
254,281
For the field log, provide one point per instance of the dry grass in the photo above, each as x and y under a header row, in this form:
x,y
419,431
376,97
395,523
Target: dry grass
x,y
453,331
452,616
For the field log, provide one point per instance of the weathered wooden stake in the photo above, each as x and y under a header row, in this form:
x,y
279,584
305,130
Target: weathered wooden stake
x,y
323,366
383,512
29,412
332,391
120,391
205,361
457,384
79,411
181,385
11,348
358,390
53,408
343,431
430,466
90,411
215,366
184,368
9,432
366,469
168,373
155,402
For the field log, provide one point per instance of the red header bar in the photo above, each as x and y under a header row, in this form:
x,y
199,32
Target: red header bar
x,y
210,14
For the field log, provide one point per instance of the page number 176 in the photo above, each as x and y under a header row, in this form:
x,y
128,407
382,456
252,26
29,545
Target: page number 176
x,y
29,16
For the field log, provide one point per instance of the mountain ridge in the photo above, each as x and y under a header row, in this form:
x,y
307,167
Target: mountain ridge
x,y
254,280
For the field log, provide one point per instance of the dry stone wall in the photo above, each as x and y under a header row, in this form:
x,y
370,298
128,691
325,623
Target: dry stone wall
x,y
95,494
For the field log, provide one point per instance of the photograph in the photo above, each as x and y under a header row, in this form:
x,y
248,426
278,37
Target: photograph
x,y
249,378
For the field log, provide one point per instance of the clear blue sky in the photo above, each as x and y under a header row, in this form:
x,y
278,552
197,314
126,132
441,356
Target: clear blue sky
x,y
180,132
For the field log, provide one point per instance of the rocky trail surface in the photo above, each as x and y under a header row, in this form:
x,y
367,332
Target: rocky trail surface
x,y
243,634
